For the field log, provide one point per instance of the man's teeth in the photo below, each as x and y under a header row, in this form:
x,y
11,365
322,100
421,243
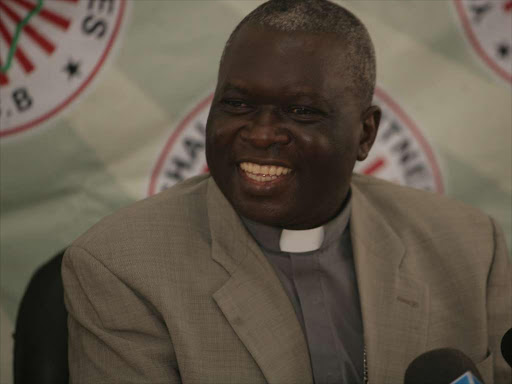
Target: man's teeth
x,y
263,172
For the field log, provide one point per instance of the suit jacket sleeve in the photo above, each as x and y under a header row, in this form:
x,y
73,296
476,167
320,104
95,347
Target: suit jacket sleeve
x,y
499,302
115,336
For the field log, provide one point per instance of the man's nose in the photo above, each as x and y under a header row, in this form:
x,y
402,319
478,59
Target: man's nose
x,y
266,129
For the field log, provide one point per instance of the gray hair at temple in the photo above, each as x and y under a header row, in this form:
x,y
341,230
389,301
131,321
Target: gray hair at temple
x,y
322,16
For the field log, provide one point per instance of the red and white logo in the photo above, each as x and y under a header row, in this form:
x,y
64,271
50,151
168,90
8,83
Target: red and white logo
x,y
50,51
400,154
488,27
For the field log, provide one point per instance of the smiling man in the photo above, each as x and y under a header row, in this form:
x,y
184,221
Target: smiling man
x,y
295,103
284,102
281,266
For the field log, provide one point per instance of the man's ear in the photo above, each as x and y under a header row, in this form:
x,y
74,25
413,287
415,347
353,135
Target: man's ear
x,y
370,119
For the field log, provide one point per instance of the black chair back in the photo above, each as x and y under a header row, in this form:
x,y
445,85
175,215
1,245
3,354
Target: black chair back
x,y
41,335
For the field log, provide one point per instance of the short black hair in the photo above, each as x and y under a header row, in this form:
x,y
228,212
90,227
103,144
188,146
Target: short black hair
x,y
322,16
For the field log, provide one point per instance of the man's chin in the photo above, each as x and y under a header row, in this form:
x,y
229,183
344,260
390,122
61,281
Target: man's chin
x,y
264,214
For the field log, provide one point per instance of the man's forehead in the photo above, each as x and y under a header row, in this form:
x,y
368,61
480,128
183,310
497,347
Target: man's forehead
x,y
254,34
297,50
294,63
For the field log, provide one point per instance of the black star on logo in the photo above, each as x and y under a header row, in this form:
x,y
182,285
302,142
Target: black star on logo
x,y
72,68
503,50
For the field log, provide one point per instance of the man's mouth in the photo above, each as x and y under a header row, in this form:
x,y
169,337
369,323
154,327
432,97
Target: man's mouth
x,y
264,173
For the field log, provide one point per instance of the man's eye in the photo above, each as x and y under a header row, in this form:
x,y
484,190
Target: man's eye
x,y
235,103
303,111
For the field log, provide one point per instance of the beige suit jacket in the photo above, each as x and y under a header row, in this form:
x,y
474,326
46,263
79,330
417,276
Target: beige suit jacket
x,y
173,289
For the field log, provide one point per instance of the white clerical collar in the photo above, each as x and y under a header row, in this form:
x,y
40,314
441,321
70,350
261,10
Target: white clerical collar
x,y
277,239
301,241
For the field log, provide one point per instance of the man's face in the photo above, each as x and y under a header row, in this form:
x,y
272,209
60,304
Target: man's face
x,y
285,130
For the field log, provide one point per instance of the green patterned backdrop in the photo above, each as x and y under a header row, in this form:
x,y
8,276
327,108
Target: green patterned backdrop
x,y
103,102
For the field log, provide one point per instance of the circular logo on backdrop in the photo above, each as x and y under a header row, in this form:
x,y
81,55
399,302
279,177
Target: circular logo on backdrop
x,y
488,27
400,153
50,51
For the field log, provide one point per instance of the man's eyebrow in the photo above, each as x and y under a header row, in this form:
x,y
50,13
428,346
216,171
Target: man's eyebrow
x,y
237,88
312,95
293,93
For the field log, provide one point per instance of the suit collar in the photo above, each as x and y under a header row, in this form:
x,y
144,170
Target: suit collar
x,y
253,300
394,303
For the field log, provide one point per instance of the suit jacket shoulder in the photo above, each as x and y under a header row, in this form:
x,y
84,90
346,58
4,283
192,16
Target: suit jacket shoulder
x,y
148,244
417,215
177,212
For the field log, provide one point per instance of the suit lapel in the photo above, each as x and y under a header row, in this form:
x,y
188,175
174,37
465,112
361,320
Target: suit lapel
x,y
253,300
394,304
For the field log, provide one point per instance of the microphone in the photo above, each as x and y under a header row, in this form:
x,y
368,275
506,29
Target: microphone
x,y
467,378
506,347
442,366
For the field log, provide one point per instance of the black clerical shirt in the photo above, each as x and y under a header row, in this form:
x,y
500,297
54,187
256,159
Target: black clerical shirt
x,y
322,287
